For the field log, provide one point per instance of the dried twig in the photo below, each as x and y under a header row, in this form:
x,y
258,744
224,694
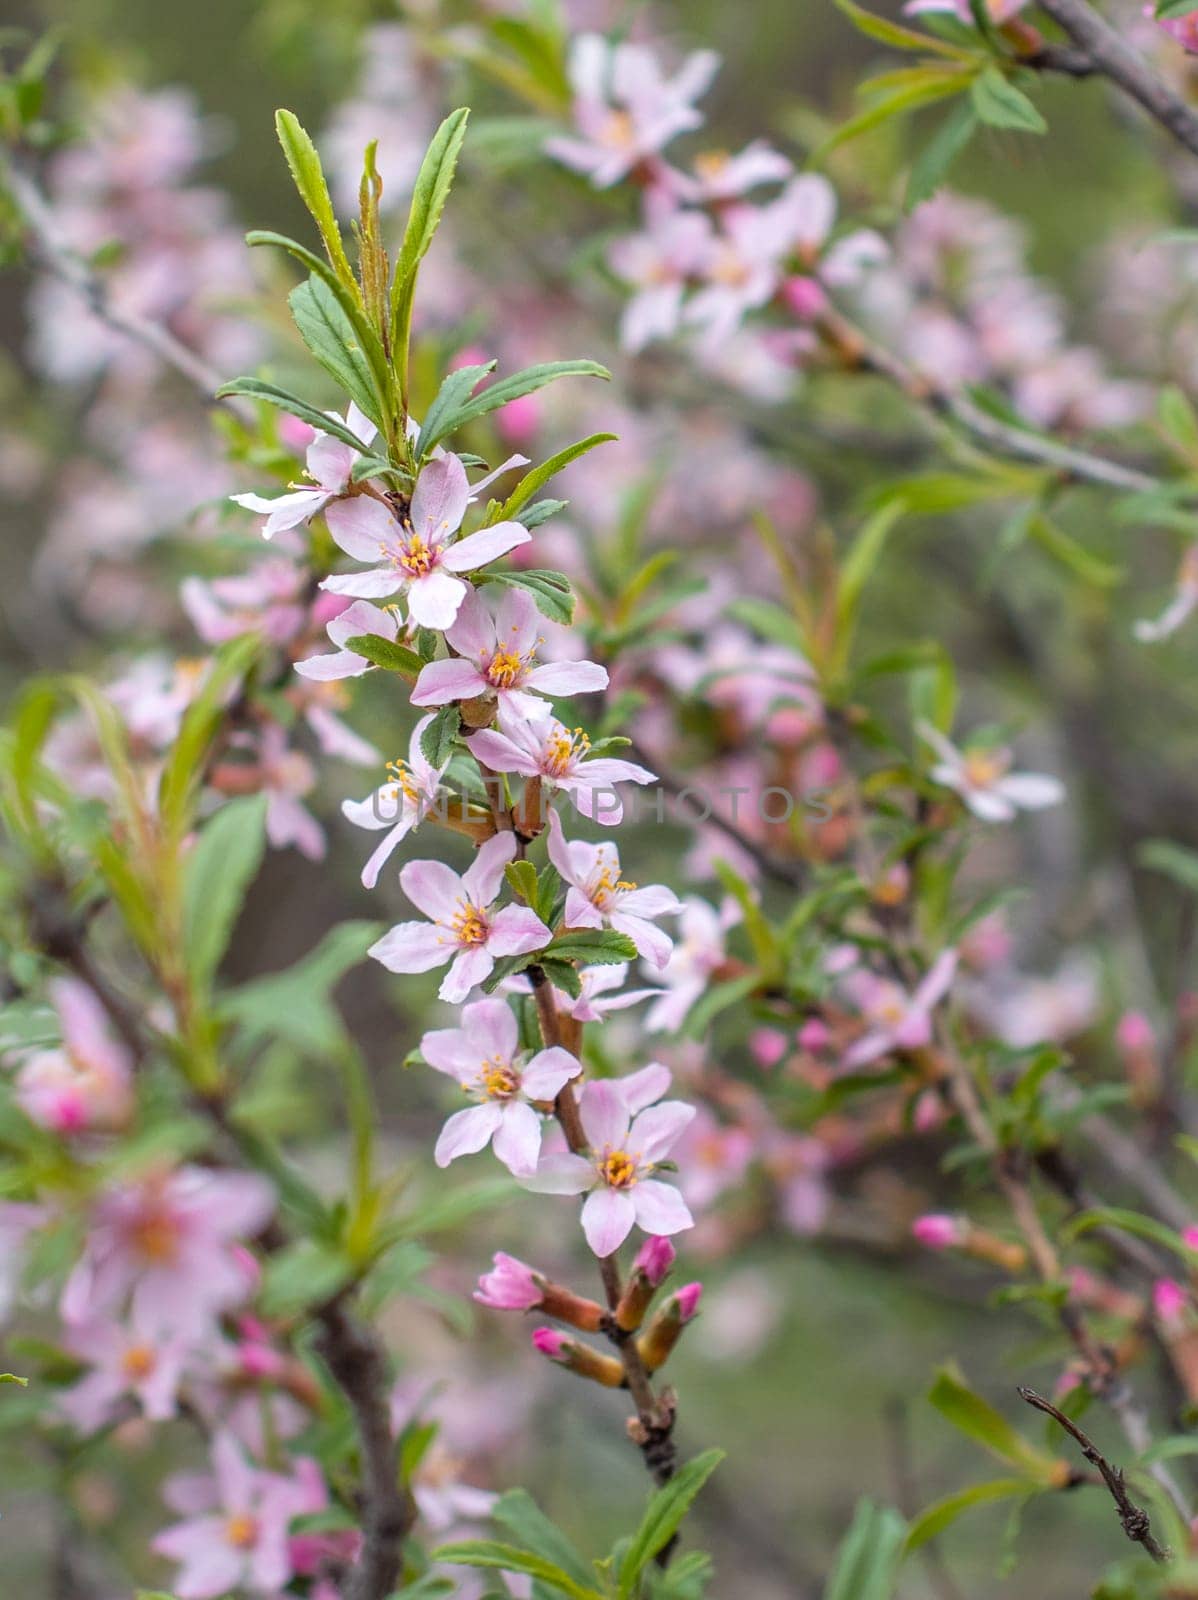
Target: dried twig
x,y
1135,1520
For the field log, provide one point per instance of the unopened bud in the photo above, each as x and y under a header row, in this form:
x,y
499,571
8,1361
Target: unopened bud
x,y
578,1358
937,1231
513,1285
1136,1042
1170,1302
649,1271
656,1343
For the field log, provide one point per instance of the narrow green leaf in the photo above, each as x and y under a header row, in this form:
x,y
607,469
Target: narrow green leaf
x,y
1129,1222
501,393
870,1554
433,183
438,738
664,1517
944,1512
551,590
897,104
284,400
220,868
309,178
862,557
891,33
538,477
182,775
977,1418
1000,104
519,1513
932,165
348,351
510,1558
1173,860
1063,547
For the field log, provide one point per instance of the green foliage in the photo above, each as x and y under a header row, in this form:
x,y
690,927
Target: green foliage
x,y
455,407
663,1517
870,1555
219,871
551,590
978,1419
999,104
284,400
306,170
386,653
437,740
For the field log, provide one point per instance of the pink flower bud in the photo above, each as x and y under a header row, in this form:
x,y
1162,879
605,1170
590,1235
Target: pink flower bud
x,y
805,297
296,435
1184,28
1189,1237
249,1266
929,1112
936,1231
687,1299
767,1046
1134,1033
1169,1301
517,422
510,1285
260,1361
814,1035
551,1343
655,1258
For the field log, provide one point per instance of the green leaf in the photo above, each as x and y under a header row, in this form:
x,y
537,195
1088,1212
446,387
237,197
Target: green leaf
x,y
437,740
756,924
519,1513
1063,547
551,590
257,389
932,165
502,392
522,876
308,174
348,351
664,1517
258,237
220,868
386,653
937,84
182,775
868,1561
939,1516
716,998
862,557
302,1274
1173,8
1178,419
891,33
510,1558
1129,1222
1173,860
455,390
769,620
1000,104
977,1418
433,183
598,948
11,1377
294,1005
538,477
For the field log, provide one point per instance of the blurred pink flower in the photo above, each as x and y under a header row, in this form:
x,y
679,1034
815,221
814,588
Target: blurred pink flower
x,y
85,1084
330,462
400,805
982,778
896,1020
598,897
538,745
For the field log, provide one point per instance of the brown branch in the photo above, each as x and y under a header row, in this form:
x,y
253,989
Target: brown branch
x,y
1135,1520
65,263
1112,57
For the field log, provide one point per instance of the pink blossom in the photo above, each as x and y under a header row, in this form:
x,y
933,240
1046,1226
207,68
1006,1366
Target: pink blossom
x,y
165,1242
286,776
419,554
497,654
601,991
330,462
1134,1033
617,1177
483,1056
235,1529
123,1361
1189,1237
356,621
658,264
936,1231
551,1342
1000,10
897,1020
625,109
684,1302
716,176
807,208
510,1285
400,805
767,1046
269,599
698,954
1183,28
712,1158
462,928
983,780
598,897
539,746
86,1083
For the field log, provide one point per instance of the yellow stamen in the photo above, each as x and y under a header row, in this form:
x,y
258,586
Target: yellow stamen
x,y
469,925
241,1530
138,1361
618,1169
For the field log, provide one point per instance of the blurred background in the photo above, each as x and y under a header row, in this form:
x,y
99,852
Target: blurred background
x,y
819,1340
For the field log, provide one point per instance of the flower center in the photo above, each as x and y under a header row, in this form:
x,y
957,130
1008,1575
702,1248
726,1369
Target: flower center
x,y
500,1080
618,1169
984,768
619,131
402,774
156,1237
469,925
241,1530
416,557
563,749
607,885
730,269
138,1361
507,667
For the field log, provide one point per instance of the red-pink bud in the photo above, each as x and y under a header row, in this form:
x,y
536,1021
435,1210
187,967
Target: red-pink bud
x,y
936,1231
551,1343
767,1046
805,297
579,1358
688,1298
655,1258
1134,1032
1169,1301
815,1035
1189,1237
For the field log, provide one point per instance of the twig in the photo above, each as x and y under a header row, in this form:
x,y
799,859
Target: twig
x,y
1135,1520
1111,56
57,256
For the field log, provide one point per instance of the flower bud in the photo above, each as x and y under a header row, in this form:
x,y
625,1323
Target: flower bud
x,y
578,1358
659,1339
1169,1302
814,1035
1189,1237
513,1285
1136,1043
936,1231
649,1271
805,297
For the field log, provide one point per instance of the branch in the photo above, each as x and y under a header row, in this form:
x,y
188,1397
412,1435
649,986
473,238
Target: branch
x,y
1110,55
1136,1524
66,264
